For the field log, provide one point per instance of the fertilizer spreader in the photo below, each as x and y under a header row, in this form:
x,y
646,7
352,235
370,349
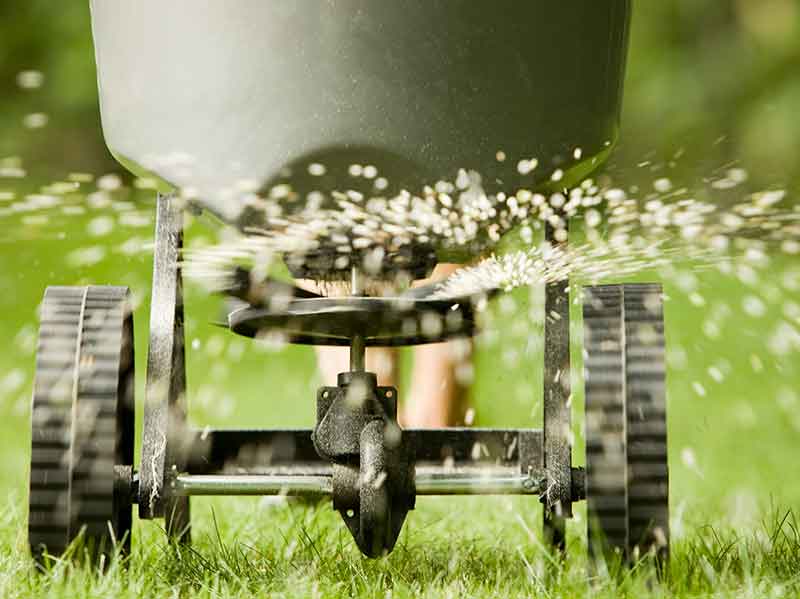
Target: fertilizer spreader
x,y
229,99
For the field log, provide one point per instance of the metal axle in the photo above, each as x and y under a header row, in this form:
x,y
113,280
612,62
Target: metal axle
x,y
429,481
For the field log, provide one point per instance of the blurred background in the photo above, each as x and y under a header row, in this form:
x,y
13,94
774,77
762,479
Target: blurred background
x,y
711,84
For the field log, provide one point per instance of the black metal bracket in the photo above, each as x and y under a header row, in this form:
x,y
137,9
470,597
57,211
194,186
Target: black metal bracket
x,y
373,468
344,411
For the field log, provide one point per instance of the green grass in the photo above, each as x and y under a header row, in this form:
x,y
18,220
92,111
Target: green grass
x,y
295,550
734,493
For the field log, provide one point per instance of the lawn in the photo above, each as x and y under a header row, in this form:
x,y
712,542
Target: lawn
x,y
733,429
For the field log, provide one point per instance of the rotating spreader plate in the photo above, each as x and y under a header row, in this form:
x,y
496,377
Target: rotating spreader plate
x,y
381,321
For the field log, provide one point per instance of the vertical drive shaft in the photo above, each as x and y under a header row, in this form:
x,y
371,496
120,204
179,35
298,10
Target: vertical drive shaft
x,y
357,344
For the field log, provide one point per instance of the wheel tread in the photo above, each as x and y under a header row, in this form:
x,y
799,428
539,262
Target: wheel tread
x,y
626,436
76,418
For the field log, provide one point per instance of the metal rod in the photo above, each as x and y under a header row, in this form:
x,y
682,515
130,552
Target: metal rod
x,y
358,353
252,484
501,482
475,484
358,349
356,282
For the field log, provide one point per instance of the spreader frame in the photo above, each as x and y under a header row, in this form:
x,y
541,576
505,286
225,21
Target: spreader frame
x,y
178,462
356,454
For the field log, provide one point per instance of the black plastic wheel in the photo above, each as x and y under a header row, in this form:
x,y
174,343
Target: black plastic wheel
x,y
82,421
627,483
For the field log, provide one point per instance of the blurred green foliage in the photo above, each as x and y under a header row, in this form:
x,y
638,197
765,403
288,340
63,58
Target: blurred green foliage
x,y
701,71
54,39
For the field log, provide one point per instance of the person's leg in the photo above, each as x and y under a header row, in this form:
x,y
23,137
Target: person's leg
x,y
381,360
440,379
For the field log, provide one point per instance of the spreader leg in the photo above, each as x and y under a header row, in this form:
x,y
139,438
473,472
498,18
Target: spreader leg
x,y
557,498
165,436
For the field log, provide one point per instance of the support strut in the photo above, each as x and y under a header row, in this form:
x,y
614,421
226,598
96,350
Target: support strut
x,y
166,441
557,498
